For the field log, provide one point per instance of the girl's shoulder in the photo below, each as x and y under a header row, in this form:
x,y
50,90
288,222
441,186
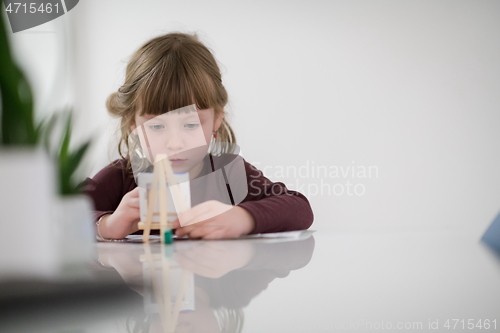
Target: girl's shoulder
x,y
117,172
116,167
235,163
224,160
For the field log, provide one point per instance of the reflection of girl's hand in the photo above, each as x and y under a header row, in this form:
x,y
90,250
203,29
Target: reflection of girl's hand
x,y
124,259
215,259
214,220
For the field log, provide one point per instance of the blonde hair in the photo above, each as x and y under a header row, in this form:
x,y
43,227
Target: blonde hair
x,y
169,72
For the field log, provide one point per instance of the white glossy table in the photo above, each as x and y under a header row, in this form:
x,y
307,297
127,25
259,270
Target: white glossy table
x,y
329,282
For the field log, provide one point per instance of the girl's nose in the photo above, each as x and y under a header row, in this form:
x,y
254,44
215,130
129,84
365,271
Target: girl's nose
x,y
174,143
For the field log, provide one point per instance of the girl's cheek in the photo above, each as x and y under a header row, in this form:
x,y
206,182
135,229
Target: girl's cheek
x,y
207,131
198,138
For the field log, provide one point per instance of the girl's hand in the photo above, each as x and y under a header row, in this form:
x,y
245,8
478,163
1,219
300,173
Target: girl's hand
x,y
213,220
125,218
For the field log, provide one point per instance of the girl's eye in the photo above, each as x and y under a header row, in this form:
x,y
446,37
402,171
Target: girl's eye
x,y
156,127
191,126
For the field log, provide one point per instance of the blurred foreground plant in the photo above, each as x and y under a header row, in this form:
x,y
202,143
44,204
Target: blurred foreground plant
x,y
67,160
17,121
17,124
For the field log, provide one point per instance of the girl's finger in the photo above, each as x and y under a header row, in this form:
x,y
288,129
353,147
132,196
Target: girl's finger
x,y
215,234
134,202
135,215
134,193
202,212
135,225
187,230
203,231
189,216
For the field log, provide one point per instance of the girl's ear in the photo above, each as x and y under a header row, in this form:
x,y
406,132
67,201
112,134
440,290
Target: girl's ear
x,y
218,121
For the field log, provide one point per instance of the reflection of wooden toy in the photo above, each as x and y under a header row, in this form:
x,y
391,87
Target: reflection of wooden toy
x,y
169,289
157,195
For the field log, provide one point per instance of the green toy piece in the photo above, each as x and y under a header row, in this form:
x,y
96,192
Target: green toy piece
x,y
167,237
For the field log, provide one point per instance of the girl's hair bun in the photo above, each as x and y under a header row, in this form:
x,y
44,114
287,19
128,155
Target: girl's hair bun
x,y
115,108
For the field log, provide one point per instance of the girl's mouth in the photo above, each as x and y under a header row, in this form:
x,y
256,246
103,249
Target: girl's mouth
x,y
177,161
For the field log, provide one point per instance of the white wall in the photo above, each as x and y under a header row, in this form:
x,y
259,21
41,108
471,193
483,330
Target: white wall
x,y
409,87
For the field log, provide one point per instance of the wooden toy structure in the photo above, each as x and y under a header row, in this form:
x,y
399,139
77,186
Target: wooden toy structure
x,y
162,175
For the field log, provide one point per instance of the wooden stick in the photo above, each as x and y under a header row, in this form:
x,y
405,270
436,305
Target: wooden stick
x,y
152,199
180,297
163,200
157,292
155,225
167,302
162,174
172,181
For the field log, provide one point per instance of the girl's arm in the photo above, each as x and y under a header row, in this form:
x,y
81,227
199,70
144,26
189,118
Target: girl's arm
x,y
262,206
111,190
273,206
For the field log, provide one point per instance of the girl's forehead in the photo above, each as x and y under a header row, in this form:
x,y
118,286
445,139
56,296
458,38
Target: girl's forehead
x,y
205,113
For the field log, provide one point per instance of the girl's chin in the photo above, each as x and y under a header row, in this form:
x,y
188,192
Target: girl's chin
x,y
180,170
184,167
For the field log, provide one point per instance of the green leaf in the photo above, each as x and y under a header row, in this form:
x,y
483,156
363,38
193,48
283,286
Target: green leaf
x,y
46,131
63,153
17,124
69,161
74,159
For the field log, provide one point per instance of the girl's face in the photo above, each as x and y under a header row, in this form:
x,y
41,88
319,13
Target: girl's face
x,y
184,137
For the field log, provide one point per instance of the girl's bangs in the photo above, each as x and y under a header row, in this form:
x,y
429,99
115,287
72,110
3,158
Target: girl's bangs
x,y
170,87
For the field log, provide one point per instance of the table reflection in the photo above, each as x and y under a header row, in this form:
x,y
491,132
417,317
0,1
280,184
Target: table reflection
x,y
201,286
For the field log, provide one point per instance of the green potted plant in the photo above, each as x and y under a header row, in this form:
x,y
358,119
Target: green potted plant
x,y
27,176
32,212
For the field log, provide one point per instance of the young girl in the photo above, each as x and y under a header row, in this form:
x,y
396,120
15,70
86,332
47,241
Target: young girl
x,y
173,89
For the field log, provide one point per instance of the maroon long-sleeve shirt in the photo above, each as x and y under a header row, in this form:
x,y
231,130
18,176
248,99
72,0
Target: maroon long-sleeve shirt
x,y
273,207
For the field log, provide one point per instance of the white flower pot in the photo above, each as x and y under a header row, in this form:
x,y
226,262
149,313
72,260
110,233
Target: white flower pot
x,y
74,229
27,190
42,234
